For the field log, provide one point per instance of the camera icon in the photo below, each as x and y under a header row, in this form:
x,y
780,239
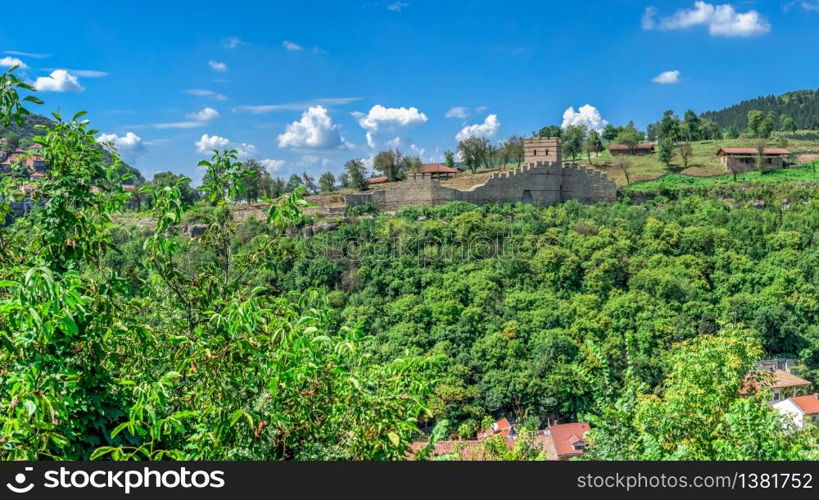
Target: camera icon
x,y
20,479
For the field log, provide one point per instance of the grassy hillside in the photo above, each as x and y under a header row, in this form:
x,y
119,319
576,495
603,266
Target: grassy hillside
x,y
678,182
801,105
704,162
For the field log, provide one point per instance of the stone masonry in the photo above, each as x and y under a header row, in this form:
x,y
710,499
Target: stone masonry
x,y
541,150
543,182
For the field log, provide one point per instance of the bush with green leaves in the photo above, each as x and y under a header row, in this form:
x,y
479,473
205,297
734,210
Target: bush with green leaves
x,y
173,350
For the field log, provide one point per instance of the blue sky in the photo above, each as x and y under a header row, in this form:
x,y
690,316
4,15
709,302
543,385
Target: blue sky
x,y
306,86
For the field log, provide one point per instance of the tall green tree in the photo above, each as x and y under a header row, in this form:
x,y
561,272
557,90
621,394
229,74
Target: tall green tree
x,y
550,131
593,144
629,136
392,164
572,140
474,152
449,159
327,182
355,173
293,182
699,413
187,194
787,124
253,188
665,151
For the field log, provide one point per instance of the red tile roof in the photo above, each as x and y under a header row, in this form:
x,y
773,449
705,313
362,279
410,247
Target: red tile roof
x,y
467,449
378,180
435,168
502,427
808,404
753,151
566,435
780,380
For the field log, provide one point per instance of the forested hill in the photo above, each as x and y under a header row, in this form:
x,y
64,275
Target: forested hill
x,y
22,136
801,105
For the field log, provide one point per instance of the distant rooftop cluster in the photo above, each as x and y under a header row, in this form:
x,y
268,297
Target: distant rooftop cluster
x,y
556,442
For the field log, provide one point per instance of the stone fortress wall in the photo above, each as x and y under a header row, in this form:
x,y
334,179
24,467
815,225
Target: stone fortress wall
x,y
542,182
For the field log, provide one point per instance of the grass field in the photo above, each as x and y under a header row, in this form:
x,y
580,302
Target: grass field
x,y
703,163
681,181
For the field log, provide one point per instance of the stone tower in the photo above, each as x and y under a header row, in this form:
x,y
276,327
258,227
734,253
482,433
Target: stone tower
x,y
541,150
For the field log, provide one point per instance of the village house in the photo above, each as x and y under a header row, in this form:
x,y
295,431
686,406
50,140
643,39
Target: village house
x,y
745,159
778,376
377,180
802,410
500,427
568,440
625,149
435,170
28,158
557,442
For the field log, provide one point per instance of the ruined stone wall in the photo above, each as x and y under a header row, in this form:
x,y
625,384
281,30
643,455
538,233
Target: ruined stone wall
x,y
539,183
543,184
415,190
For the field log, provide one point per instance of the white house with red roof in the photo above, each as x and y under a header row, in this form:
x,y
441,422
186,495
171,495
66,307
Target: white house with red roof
x,y
802,410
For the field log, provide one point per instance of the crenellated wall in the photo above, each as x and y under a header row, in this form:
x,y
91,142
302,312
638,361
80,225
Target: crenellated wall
x,y
541,183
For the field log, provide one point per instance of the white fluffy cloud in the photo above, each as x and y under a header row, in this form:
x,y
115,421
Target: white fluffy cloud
x,y
129,145
315,130
721,20
204,115
667,77
388,126
208,143
586,115
272,165
457,112
218,66
8,62
488,129
59,80
292,46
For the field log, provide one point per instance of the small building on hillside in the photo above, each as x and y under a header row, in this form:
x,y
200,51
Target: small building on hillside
x,y
436,170
779,376
557,442
500,427
802,410
568,440
624,149
377,180
781,383
744,159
